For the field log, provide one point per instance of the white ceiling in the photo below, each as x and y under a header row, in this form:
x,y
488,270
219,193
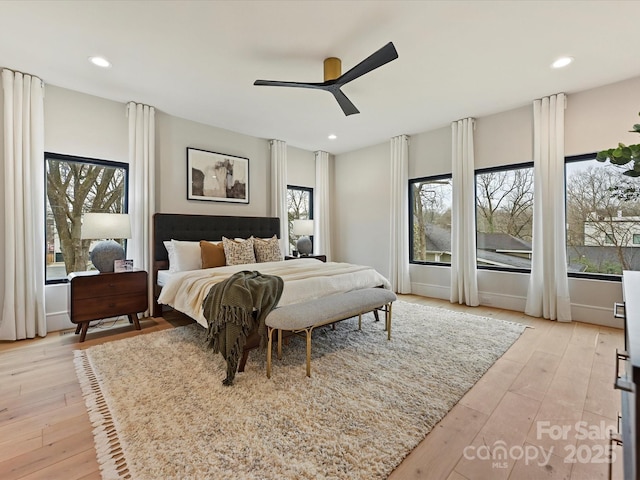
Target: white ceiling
x,y
198,59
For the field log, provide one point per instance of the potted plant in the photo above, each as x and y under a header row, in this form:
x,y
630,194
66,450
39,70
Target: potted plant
x,y
623,155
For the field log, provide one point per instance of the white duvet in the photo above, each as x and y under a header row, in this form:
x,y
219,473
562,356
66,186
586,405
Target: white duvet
x,y
304,279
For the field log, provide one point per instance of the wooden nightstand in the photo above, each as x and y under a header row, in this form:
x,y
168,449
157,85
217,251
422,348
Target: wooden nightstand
x,y
95,295
322,258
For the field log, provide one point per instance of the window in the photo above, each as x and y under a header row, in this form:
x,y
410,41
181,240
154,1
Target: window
x,y
603,212
74,186
504,216
430,220
300,207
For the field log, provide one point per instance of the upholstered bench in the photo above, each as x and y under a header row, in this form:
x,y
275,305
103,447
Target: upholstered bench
x,y
304,317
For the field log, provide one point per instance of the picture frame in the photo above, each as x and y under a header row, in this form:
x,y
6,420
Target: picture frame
x,y
217,177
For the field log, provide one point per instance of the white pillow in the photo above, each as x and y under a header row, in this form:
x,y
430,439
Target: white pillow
x,y
186,256
172,255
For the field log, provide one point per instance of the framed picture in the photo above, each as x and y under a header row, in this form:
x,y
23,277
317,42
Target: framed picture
x,y
217,177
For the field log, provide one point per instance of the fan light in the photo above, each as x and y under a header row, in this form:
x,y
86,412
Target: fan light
x,y
562,62
332,137
100,62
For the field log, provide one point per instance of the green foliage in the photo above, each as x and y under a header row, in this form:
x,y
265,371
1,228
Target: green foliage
x,y
607,267
623,155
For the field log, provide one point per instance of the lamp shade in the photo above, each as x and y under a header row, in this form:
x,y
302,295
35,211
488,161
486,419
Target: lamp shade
x,y
303,227
105,225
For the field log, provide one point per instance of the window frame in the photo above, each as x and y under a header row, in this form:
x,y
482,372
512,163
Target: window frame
x,y
500,168
444,176
529,164
84,160
309,190
582,275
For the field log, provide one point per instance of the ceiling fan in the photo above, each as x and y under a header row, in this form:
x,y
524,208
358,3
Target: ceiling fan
x,y
333,80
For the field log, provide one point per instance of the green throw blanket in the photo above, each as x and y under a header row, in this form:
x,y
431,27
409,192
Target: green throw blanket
x,y
229,309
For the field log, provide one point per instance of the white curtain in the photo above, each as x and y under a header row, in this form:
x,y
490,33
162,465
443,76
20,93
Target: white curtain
x,y
141,187
399,228
322,207
548,294
279,190
23,310
464,279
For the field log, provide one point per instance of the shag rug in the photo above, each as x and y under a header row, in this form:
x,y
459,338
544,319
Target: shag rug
x,y
160,410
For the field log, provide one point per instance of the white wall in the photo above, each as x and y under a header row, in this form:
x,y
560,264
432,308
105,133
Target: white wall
x,y
594,120
301,167
361,227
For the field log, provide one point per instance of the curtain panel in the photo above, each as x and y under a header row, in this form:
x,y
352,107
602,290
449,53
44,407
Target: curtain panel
x,y
23,306
141,187
279,190
322,206
464,278
548,293
399,221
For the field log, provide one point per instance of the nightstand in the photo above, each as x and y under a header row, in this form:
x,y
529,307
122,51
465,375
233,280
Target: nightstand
x,y
95,295
322,258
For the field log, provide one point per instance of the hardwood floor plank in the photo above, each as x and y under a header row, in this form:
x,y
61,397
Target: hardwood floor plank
x,y
490,389
81,465
554,469
19,443
47,456
535,378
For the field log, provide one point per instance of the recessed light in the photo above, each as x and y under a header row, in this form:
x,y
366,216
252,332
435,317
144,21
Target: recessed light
x,y
562,62
332,137
100,62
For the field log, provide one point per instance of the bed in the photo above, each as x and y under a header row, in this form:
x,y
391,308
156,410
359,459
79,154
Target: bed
x,y
305,279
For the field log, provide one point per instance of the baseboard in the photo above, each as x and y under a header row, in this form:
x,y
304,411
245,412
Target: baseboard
x,y
592,314
58,321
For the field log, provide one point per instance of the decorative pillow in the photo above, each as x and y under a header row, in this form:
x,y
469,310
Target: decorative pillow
x,y
267,250
212,254
187,256
172,255
238,253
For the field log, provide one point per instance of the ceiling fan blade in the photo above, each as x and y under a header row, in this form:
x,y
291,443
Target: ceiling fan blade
x,y
375,60
347,107
276,83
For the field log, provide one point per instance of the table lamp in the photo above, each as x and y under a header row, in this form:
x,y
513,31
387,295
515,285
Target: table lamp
x,y
107,227
303,228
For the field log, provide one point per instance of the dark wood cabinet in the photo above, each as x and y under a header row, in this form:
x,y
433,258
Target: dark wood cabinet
x,y
628,379
95,295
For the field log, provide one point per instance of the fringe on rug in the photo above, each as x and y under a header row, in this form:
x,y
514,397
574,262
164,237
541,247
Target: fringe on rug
x,y
113,464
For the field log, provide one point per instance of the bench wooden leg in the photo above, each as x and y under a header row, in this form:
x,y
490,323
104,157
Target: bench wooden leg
x,y
279,344
359,321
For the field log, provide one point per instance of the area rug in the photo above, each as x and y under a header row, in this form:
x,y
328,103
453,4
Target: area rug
x,y
160,410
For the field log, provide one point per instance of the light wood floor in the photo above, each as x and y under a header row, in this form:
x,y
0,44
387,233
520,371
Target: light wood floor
x,y
554,376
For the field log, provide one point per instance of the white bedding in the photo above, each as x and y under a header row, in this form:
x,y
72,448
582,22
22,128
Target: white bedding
x,y
164,276
304,279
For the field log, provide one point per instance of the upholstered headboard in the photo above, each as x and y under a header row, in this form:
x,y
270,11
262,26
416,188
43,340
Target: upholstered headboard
x,y
168,226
